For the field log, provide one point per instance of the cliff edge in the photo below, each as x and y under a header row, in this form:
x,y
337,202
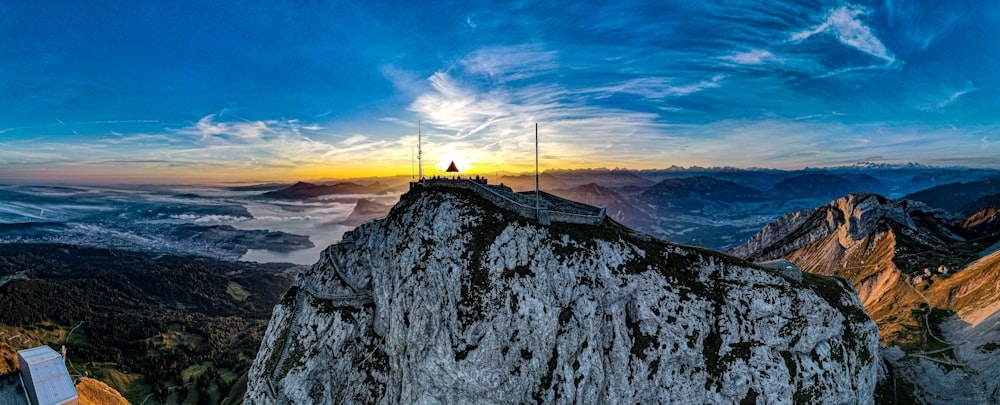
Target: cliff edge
x,y
450,299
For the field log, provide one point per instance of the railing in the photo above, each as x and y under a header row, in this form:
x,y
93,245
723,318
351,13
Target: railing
x,y
552,208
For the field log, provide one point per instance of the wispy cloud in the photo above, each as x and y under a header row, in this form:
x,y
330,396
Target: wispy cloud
x,y
923,24
495,124
844,24
786,83
784,144
510,62
353,140
241,149
208,127
452,105
753,57
122,139
951,99
659,87
398,121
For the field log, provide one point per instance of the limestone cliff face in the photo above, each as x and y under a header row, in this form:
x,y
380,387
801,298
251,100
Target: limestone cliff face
x,y
939,315
450,299
877,244
850,218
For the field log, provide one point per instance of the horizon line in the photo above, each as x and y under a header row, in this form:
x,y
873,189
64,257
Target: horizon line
x,y
503,173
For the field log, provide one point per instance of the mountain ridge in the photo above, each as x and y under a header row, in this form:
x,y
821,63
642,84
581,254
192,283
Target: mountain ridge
x,y
450,299
953,197
303,190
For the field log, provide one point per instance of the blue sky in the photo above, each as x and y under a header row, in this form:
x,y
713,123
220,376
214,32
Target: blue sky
x,y
219,90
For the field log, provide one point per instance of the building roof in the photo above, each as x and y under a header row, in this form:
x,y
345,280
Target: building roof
x,y
452,168
49,376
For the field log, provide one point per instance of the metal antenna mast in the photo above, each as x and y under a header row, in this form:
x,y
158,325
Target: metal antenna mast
x,y
420,152
537,203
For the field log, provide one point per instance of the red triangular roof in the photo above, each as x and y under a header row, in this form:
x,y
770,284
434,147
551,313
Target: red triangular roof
x,y
452,168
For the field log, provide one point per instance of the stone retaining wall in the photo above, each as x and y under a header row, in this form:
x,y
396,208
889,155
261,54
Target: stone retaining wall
x,y
554,208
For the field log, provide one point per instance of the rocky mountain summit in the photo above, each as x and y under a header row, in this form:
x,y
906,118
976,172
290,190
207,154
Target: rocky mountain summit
x,y
450,299
932,292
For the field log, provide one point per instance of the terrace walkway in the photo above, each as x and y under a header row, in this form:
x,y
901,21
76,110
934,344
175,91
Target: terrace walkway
x,y
551,208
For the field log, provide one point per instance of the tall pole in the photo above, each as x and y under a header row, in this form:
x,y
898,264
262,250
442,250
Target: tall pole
x,y
420,152
537,203
413,169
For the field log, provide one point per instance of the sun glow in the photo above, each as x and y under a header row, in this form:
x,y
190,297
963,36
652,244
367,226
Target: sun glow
x,y
468,162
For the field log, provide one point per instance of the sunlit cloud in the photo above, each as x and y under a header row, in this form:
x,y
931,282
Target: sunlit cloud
x,y
354,140
495,126
398,121
271,149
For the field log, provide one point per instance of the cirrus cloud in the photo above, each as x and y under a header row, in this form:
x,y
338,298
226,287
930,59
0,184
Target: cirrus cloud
x,y
844,24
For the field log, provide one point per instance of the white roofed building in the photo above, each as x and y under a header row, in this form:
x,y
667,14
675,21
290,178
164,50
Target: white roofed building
x,y
45,377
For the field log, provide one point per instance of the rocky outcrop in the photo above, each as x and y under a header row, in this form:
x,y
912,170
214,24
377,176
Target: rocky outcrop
x,y
985,221
938,315
860,237
451,300
852,217
95,392
365,210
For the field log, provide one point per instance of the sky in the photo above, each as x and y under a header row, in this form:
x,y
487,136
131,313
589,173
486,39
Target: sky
x,y
220,91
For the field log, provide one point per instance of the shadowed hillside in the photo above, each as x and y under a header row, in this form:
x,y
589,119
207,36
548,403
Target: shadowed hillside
x,y
139,322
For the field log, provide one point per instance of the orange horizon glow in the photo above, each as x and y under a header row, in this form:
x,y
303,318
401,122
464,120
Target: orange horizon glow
x,y
230,175
468,165
471,161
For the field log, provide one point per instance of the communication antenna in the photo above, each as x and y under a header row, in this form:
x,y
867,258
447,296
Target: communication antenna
x,y
420,152
538,204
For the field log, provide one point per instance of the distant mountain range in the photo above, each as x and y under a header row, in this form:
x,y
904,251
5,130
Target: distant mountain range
x,y
955,197
823,184
617,206
303,190
722,207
